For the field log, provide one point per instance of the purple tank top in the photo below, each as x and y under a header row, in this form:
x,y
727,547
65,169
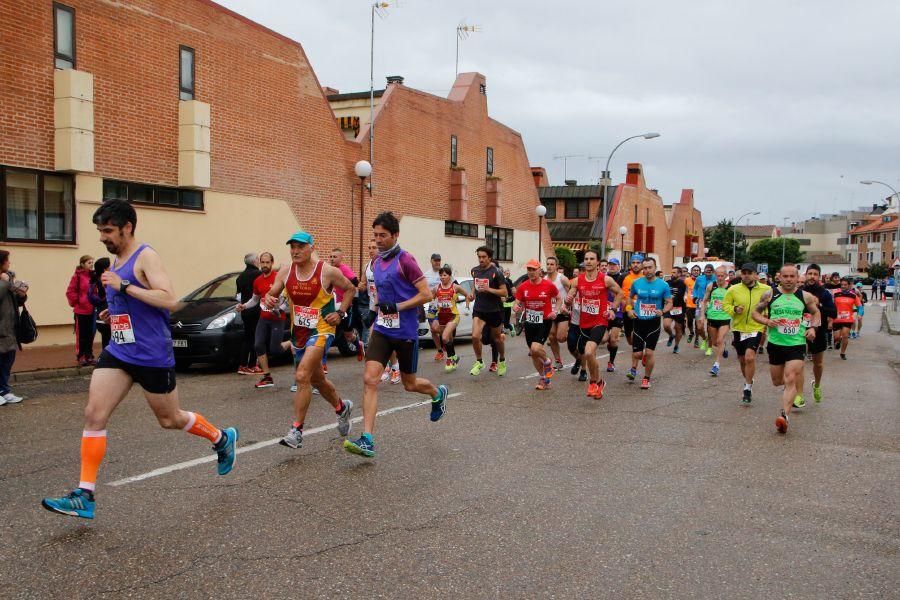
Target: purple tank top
x,y
140,332
392,286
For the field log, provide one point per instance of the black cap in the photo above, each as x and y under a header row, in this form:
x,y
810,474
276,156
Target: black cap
x,y
435,256
749,266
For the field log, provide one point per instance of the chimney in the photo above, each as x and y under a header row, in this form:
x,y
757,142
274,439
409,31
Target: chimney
x,y
398,79
571,182
329,91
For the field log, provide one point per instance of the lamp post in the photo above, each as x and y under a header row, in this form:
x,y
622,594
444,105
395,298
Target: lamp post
x,y
674,244
622,231
734,236
605,208
540,210
783,239
896,244
363,169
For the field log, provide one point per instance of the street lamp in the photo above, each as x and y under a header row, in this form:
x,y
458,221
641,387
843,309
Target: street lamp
x,y
605,208
896,244
734,236
540,210
363,169
622,231
783,239
674,244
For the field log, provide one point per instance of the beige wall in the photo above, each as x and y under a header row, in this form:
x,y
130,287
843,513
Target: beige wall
x,y
195,246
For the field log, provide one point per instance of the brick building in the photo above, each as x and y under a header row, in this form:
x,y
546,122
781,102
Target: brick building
x,y
220,133
875,241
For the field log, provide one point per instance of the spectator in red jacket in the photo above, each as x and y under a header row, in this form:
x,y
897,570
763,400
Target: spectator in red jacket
x,y
79,299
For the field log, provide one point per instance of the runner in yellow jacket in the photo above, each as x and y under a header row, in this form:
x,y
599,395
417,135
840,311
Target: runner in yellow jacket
x,y
739,302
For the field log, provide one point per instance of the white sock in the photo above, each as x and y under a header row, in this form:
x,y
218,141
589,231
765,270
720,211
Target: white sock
x,y
748,386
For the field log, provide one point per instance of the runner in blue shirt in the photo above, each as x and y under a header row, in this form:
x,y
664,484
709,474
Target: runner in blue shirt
x,y
648,299
700,284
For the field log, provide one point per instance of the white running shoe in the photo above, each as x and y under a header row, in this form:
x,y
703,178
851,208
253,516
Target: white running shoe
x,y
10,398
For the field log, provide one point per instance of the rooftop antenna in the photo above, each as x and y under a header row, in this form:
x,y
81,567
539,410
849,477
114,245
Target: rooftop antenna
x,y
565,158
380,9
597,160
462,33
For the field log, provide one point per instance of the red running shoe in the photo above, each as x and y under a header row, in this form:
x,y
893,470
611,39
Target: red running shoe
x,y
645,383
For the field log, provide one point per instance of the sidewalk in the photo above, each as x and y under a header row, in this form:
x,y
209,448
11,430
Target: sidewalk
x,y
48,362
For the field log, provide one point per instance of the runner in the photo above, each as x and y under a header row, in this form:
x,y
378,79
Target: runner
x,y
739,302
635,273
673,321
270,327
650,298
392,369
788,336
508,304
847,303
816,347
311,287
140,297
490,289
718,322
833,285
614,330
595,312
401,290
702,282
433,277
690,305
540,300
573,341
863,299
559,333
445,295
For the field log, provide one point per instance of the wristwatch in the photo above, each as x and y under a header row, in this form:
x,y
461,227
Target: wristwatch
x,y
343,314
124,286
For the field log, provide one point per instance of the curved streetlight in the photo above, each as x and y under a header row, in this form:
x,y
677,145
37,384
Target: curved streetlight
x,y
605,208
734,236
540,210
622,231
896,244
362,169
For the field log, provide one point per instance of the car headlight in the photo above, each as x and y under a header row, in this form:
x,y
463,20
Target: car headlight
x,y
223,321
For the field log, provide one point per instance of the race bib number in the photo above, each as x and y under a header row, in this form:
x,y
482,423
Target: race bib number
x,y
717,305
844,315
391,321
121,329
431,310
806,319
307,317
676,310
371,287
647,310
445,304
789,326
534,317
590,307
481,284
747,336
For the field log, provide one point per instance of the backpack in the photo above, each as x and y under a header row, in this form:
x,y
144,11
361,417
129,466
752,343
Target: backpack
x,y
26,329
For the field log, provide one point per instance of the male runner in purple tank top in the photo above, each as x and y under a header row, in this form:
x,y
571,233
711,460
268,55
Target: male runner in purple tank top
x,y
401,289
140,296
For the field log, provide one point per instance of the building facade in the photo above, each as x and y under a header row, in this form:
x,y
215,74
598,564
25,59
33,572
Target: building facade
x,y
876,241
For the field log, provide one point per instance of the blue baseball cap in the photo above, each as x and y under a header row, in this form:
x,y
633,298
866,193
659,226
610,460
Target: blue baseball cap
x,y
614,261
301,237
638,257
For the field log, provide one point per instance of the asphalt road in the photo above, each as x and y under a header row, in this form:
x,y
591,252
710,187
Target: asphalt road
x,y
678,492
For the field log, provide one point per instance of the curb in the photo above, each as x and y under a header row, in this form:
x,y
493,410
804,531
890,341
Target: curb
x,y
50,374
890,321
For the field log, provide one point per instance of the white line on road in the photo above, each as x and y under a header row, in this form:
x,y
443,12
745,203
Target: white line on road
x,y
207,459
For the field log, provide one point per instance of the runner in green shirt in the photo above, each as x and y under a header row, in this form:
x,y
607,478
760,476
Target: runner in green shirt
x,y
791,316
718,322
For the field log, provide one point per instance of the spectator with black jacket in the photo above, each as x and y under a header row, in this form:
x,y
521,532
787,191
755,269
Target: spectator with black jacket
x,y
97,296
247,360
12,295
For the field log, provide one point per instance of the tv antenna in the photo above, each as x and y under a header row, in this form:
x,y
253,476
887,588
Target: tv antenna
x,y
565,158
462,33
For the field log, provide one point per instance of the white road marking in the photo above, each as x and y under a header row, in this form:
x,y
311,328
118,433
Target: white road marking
x,y
566,366
208,459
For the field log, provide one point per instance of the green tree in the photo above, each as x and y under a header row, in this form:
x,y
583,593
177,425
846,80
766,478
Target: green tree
x,y
567,260
769,251
720,239
878,271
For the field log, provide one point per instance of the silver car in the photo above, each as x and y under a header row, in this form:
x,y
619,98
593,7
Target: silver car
x,y
464,329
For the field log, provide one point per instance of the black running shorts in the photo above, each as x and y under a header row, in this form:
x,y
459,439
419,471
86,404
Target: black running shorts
x,y
155,380
750,343
381,347
778,355
646,334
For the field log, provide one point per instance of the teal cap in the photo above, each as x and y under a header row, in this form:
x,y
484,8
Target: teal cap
x,y
301,237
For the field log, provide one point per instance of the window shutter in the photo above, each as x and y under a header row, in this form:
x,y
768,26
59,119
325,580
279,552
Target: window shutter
x,y
651,234
638,237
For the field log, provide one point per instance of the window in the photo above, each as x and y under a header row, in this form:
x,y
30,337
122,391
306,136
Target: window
x,y
36,206
63,36
452,150
550,205
490,161
141,193
577,209
186,73
501,241
460,228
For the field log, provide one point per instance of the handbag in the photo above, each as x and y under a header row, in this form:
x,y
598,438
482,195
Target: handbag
x,y
26,329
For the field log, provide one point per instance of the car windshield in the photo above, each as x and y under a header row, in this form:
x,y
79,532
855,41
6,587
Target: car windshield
x,y
223,288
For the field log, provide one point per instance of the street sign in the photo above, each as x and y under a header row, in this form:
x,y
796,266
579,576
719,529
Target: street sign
x,y
762,268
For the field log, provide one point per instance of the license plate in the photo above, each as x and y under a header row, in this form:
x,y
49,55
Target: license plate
x,y
179,344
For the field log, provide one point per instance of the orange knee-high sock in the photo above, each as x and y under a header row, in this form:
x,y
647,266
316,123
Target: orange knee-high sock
x,y
197,425
93,448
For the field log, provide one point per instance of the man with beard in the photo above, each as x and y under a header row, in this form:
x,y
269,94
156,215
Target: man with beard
x,y
635,274
739,302
270,329
673,321
816,348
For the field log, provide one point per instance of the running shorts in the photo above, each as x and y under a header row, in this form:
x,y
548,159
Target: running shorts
x,y
491,319
616,323
778,355
716,323
318,340
677,318
536,333
444,318
750,343
381,347
560,318
820,342
574,340
628,325
594,334
841,325
155,380
646,334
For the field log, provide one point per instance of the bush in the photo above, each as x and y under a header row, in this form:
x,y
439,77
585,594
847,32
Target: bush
x,y
878,271
566,257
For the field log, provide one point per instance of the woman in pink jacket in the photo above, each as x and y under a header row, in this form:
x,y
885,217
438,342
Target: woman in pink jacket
x,y
77,295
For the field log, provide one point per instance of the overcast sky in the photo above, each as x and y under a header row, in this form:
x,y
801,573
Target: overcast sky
x,y
778,106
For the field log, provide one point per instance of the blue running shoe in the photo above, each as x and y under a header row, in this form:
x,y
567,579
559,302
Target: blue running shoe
x,y
675,349
715,370
79,503
364,446
631,374
439,404
225,450
725,354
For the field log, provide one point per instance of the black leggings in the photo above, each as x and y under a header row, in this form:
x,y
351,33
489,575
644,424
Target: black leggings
x,y
84,336
105,334
248,344
269,335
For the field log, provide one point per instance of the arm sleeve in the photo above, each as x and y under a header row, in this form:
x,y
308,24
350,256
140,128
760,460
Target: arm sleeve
x,y
253,301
